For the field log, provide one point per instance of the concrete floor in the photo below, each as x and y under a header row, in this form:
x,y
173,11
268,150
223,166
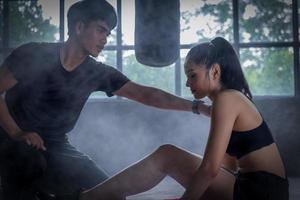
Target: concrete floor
x,y
169,189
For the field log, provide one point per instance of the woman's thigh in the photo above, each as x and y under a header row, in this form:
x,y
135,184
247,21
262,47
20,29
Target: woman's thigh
x,y
221,188
182,165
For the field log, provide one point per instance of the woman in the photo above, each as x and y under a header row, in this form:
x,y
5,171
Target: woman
x,y
237,129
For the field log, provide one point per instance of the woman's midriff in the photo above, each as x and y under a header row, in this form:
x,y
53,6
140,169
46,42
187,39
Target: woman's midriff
x,y
265,159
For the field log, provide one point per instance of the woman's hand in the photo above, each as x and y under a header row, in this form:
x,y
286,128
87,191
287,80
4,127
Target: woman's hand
x,y
31,138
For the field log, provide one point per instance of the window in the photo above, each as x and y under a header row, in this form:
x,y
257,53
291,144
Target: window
x,y
267,55
32,21
158,77
269,71
265,21
198,22
262,32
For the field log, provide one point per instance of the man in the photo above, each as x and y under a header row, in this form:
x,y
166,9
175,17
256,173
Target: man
x,y
46,86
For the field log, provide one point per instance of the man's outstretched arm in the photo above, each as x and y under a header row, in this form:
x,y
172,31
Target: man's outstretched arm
x,y
158,98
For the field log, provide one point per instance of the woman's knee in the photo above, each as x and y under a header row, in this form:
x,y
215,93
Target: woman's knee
x,y
166,154
166,149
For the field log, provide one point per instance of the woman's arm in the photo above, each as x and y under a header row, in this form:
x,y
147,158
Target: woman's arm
x,y
224,113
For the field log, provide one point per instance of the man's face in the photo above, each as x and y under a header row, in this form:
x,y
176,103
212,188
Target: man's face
x,y
93,36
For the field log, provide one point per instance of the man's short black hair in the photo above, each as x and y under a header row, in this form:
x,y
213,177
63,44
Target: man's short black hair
x,y
90,10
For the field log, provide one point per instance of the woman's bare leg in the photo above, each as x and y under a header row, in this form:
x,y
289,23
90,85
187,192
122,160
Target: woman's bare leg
x,y
148,172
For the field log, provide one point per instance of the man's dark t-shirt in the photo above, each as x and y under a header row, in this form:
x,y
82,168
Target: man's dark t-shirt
x,y
48,99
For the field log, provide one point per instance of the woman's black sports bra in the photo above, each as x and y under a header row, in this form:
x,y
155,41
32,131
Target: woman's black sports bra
x,y
244,142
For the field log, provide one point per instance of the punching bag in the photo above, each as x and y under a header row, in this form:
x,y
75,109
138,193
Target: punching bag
x,y
157,31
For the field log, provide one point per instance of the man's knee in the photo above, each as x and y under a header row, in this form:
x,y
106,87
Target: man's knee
x,y
21,161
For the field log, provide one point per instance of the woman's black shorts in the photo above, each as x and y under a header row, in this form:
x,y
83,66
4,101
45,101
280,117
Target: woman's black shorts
x,y
260,185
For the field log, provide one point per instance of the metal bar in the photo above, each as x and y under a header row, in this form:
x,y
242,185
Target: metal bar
x,y
296,48
5,39
61,20
178,76
266,44
119,37
236,27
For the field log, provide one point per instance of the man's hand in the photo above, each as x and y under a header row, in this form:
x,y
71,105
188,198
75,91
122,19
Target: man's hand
x,y
204,109
31,138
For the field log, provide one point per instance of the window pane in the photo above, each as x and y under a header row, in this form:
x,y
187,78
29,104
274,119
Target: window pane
x,y
108,58
265,20
111,40
128,22
269,71
163,77
203,20
185,91
33,21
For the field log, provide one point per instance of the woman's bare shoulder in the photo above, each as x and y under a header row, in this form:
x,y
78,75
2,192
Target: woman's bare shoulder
x,y
229,95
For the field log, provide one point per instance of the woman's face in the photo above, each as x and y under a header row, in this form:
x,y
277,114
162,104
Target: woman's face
x,y
197,79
